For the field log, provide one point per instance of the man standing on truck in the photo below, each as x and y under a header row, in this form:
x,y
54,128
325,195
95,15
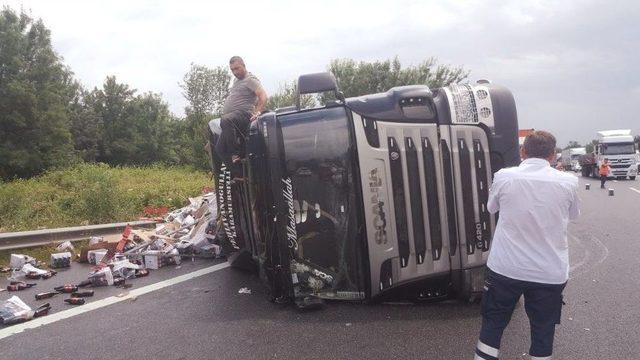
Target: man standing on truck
x,y
604,171
245,102
529,255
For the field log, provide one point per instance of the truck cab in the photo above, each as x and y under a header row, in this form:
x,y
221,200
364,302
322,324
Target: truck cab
x,y
619,148
570,158
381,196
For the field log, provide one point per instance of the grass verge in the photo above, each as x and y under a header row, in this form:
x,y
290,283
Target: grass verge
x,y
95,194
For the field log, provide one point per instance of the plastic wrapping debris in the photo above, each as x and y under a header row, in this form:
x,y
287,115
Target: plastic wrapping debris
x,y
101,277
28,268
65,246
244,290
14,310
173,257
95,256
124,269
61,260
18,260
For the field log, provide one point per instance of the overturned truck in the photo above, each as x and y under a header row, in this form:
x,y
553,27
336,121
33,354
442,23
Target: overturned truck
x,y
381,196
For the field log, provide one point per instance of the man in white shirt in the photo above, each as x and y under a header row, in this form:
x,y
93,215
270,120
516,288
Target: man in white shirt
x,y
529,255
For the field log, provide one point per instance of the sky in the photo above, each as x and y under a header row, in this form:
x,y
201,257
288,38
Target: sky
x,y
571,65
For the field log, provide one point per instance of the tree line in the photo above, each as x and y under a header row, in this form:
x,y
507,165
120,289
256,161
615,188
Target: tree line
x,y
49,120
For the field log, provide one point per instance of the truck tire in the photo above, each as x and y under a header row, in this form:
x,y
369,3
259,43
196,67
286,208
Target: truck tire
x,y
632,177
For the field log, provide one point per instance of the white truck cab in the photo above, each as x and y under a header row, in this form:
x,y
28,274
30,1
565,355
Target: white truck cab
x,y
570,158
619,148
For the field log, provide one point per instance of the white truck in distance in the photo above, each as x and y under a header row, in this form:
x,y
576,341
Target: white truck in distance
x,y
619,148
570,158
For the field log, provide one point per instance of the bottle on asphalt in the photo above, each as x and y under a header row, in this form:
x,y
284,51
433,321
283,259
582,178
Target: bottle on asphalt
x,y
17,286
46,295
74,301
142,272
33,275
80,294
42,310
67,288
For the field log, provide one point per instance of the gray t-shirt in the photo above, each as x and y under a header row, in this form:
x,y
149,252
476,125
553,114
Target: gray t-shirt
x,y
242,95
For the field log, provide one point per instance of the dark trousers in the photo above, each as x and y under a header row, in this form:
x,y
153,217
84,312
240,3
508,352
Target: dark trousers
x,y
542,303
603,179
235,128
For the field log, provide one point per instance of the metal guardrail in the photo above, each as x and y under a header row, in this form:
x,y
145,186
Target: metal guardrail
x,y
22,239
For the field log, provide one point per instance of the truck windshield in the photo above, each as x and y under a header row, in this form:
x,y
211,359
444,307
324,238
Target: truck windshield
x,y
327,256
618,149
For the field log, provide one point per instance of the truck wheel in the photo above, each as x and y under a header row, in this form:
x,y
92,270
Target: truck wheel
x,y
632,177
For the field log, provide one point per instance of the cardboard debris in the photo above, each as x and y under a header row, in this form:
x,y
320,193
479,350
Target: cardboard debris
x,y
18,260
61,260
186,232
65,246
95,256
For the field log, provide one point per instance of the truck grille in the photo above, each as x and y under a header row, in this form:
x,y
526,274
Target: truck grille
x,y
435,229
397,186
417,218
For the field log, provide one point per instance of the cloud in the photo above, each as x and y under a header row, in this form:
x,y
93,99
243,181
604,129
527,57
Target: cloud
x,y
571,65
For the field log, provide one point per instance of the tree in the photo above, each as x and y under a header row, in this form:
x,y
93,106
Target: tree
x,y
85,124
360,78
205,90
115,145
150,117
591,146
35,89
572,144
286,96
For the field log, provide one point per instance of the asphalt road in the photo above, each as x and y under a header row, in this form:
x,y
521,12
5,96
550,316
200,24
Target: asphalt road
x,y
206,317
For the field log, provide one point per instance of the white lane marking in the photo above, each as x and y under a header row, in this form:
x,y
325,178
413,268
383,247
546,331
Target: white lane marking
x,y
604,251
587,255
634,189
16,329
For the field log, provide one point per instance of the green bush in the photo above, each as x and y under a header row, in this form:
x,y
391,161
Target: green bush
x,y
94,194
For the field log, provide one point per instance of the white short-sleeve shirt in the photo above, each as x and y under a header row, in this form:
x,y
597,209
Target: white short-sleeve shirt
x,y
536,203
